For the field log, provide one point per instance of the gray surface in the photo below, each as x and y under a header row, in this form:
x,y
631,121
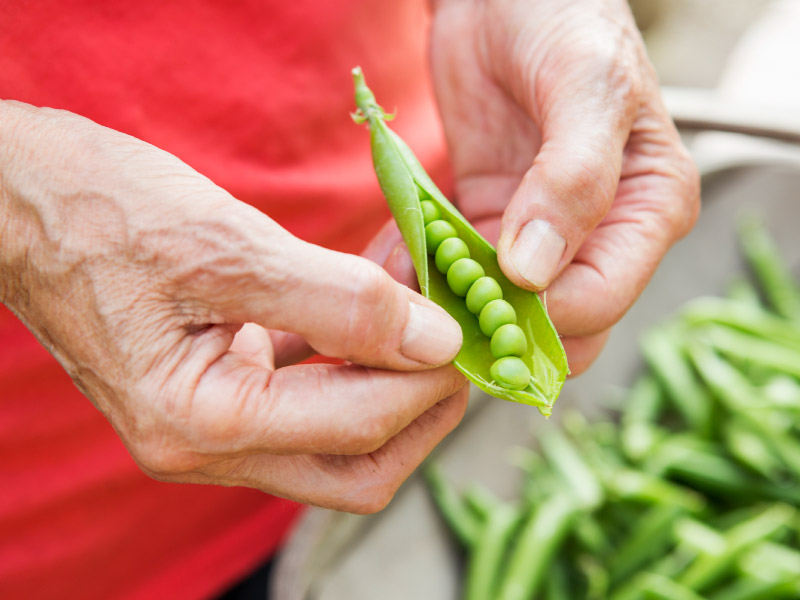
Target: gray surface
x,y
404,551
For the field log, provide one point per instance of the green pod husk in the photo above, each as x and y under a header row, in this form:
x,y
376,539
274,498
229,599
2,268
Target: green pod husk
x,y
405,183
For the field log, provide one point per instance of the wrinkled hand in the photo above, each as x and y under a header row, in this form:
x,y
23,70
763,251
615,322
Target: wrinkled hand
x,y
554,122
165,299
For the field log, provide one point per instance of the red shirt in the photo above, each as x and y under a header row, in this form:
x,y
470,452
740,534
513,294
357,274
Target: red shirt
x,y
256,96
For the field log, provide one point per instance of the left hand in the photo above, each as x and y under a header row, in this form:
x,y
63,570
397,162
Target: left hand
x,y
555,124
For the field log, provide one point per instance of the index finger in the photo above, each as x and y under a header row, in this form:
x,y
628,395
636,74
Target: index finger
x,y
239,407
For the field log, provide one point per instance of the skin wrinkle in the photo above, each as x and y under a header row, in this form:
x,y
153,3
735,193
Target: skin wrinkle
x,y
367,292
616,89
249,404
352,482
164,327
354,319
280,388
589,258
675,218
363,432
364,484
374,427
216,429
211,251
171,369
565,186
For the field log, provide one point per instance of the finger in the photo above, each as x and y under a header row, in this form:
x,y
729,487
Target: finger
x,y
360,484
388,250
384,242
489,227
569,188
342,305
270,349
289,348
254,343
582,351
617,261
239,407
400,267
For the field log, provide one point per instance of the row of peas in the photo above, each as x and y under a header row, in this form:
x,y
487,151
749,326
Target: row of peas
x,y
466,278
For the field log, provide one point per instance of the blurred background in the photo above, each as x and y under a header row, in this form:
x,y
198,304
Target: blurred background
x,y
689,41
726,63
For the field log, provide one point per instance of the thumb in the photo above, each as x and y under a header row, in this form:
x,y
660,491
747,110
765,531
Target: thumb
x,y
565,194
344,306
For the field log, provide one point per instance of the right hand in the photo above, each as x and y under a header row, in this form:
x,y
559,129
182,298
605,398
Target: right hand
x,y
171,304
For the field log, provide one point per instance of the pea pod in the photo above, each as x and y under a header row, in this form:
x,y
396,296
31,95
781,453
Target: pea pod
x,y
405,184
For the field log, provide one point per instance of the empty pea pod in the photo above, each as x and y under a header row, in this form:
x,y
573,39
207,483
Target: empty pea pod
x,y
426,219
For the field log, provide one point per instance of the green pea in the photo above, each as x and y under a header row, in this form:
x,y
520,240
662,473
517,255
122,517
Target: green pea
x,y
436,232
481,293
495,314
508,340
430,212
449,251
511,373
462,274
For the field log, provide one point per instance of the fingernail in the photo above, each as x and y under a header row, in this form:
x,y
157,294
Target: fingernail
x,y
537,252
431,336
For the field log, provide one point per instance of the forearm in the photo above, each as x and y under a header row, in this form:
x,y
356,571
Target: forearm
x,y
15,225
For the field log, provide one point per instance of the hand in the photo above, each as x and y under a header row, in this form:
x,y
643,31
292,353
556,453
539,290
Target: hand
x,y
554,122
170,304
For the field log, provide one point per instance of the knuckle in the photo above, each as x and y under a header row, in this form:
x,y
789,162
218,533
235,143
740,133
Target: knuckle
x,y
369,498
368,434
369,296
367,283
613,62
160,445
371,502
363,485
622,81
690,176
160,461
681,214
627,86
209,432
588,184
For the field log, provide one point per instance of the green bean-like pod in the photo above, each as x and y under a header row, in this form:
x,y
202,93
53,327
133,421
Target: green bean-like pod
x,y
406,186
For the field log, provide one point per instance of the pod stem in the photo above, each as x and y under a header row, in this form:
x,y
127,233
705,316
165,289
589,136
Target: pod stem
x,y
368,108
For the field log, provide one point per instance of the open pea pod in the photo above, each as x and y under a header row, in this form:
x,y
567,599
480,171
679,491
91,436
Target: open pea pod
x,y
405,184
